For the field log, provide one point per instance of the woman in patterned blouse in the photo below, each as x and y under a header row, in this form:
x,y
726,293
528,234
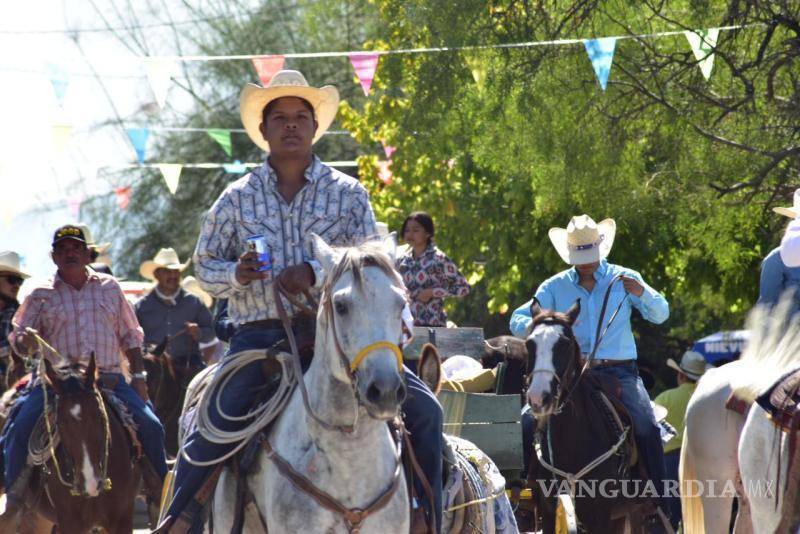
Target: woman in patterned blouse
x,y
428,273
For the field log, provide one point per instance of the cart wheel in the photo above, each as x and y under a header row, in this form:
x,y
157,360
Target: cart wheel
x,y
566,522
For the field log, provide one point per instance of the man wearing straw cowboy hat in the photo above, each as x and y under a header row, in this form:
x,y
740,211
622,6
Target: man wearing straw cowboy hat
x,y
169,311
287,199
780,270
79,313
11,278
584,245
675,400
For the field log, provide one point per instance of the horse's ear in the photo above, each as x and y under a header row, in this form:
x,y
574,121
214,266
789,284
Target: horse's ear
x,y
430,367
574,311
52,376
323,253
536,308
91,369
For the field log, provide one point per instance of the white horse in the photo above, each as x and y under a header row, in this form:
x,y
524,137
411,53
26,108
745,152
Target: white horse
x,y
708,456
763,448
355,380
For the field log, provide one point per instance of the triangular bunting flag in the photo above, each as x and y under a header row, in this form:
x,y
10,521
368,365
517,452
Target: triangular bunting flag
x,y
601,54
123,195
478,67
267,66
388,150
159,74
61,135
59,78
223,137
172,175
703,43
384,172
237,167
138,138
365,65
74,206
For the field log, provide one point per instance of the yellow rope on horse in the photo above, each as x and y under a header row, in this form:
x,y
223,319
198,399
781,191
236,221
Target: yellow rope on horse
x,y
363,353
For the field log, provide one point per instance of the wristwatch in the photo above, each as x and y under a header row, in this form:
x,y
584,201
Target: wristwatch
x,y
141,375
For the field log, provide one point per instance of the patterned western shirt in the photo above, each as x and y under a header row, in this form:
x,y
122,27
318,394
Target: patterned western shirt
x,y
76,323
431,270
331,204
6,314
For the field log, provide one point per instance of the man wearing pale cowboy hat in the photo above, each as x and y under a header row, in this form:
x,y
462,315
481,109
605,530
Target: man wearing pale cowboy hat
x,y
585,245
79,312
780,270
98,253
285,200
170,311
675,400
11,278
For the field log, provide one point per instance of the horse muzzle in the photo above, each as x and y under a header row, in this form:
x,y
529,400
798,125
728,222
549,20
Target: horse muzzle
x,y
382,394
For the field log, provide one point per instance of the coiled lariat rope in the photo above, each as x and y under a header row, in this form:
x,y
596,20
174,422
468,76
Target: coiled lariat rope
x,y
261,415
52,439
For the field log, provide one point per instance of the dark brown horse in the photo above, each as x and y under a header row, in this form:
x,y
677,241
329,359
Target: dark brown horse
x,y
577,428
510,350
92,480
167,380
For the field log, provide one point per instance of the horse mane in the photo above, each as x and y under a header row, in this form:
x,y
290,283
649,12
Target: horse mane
x,y
772,349
545,315
356,259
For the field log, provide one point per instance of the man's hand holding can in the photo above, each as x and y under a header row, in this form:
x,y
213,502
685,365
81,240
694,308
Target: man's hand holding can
x,y
247,268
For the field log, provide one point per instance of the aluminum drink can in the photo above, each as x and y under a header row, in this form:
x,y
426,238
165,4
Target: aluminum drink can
x,y
258,243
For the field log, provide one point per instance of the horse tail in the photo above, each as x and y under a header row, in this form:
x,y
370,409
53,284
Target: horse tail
x,y
772,350
691,502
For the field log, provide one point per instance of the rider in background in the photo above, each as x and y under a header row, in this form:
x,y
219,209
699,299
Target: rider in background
x,y
285,200
428,273
79,313
11,279
780,270
585,245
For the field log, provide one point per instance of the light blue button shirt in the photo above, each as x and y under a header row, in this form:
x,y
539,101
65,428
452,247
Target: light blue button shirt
x,y
776,278
562,290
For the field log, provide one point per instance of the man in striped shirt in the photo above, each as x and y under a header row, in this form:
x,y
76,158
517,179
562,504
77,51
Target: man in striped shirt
x,y
286,200
79,313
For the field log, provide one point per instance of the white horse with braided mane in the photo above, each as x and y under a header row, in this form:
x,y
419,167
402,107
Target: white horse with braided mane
x,y
342,446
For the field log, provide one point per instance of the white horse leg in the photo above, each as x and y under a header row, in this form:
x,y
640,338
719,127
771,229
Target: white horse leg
x,y
758,461
710,453
224,503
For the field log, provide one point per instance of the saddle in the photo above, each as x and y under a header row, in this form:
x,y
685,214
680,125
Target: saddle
x,y
607,399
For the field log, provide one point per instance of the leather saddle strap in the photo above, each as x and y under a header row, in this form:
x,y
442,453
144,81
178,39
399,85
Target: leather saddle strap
x,y
353,516
420,474
277,291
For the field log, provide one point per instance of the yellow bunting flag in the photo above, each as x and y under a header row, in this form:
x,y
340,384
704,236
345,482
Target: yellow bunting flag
x,y
61,136
172,175
477,63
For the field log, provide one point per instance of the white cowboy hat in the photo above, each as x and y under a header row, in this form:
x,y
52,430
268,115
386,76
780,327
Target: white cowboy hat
x,y
692,364
100,248
191,285
254,98
794,210
166,258
9,263
584,241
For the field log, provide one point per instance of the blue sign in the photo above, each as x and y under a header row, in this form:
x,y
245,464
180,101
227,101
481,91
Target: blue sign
x,y
722,347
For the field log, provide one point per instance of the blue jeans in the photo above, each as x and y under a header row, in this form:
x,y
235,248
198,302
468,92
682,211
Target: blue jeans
x,y
423,420
673,502
646,431
30,405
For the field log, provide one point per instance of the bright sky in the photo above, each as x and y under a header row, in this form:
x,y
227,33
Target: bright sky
x,y
36,178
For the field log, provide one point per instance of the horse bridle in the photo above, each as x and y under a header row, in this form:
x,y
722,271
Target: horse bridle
x,y
568,374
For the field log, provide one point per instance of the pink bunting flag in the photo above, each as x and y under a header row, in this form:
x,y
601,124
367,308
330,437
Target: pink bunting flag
x,y
74,206
365,65
123,196
384,172
267,67
388,150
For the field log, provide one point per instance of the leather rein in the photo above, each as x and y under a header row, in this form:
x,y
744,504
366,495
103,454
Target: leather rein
x,y
353,517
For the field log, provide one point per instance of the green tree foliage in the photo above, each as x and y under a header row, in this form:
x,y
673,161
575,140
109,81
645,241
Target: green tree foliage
x,y
688,168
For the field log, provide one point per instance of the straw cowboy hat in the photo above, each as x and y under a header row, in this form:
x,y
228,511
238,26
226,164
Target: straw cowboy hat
x,y
166,258
692,364
9,263
253,99
792,211
584,241
101,248
191,285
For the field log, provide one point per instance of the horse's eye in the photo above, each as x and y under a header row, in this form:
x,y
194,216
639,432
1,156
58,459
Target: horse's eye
x,y
341,308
